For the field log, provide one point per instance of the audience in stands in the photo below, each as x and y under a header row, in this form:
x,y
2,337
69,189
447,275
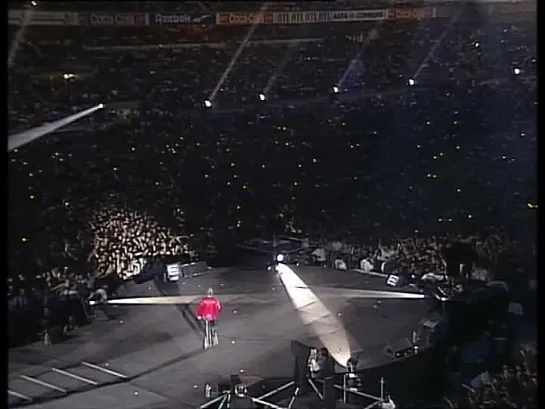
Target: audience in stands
x,y
125,240
452,156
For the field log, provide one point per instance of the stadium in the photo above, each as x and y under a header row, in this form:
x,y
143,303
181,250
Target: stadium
x,y
354,182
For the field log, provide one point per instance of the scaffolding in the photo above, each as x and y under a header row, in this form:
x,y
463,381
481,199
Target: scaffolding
x,y
223,400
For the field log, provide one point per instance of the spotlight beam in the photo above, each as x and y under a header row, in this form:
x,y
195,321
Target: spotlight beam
x,y
22,138
281,66
376,294
364,45
439,41
239,50
19,36
315,314
264,298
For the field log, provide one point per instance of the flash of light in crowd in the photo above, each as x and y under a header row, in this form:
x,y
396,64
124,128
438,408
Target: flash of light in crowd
x,y
208,103
17,140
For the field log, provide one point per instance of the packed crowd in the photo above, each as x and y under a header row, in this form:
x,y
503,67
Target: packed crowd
x,y
419,255
456,157
351,57
125,240
511,387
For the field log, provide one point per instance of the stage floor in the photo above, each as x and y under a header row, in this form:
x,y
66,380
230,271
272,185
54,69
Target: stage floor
x,y
151,356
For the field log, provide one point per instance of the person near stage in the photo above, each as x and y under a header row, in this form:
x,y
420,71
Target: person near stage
x,y
209,308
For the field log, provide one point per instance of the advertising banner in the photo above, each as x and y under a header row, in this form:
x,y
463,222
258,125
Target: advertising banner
x,y
117,19
357,15
302,17
242,19
41,18
512,8
182,18
412,14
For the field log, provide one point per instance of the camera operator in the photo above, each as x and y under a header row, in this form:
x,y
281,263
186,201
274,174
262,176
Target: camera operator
x,y
322,367
100,299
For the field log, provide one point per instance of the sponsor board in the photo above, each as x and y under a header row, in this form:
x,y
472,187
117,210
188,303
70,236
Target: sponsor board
x,y
302,17
33,17
116,19
242,19
357,15
512,8
182,18
411,14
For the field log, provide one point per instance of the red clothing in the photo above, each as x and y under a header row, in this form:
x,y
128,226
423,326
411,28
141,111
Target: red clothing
x,y
209,308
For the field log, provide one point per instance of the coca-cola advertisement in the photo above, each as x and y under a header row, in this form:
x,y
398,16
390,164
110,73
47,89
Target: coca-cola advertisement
x,y
116,19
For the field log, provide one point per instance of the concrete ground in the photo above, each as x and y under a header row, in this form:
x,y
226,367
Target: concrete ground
x,y
151,356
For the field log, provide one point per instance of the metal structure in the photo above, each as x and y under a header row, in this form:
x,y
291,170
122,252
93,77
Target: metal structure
x,y
225,398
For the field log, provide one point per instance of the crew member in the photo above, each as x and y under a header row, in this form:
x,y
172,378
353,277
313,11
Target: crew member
x,y
100,297
209,308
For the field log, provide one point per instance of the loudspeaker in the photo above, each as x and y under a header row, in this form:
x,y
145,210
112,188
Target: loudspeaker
x,y
396,281
429,332
173,272
399,349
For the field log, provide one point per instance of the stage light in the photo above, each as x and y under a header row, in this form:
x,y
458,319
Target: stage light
x,y
280,258
261,97
411,82
207,103
335,89
33,3
516,71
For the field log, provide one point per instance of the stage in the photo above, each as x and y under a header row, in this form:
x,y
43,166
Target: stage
x,y
151,356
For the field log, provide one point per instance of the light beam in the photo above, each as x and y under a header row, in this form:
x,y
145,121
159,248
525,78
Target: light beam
x,y
263,298
314,313
22,138
239,50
